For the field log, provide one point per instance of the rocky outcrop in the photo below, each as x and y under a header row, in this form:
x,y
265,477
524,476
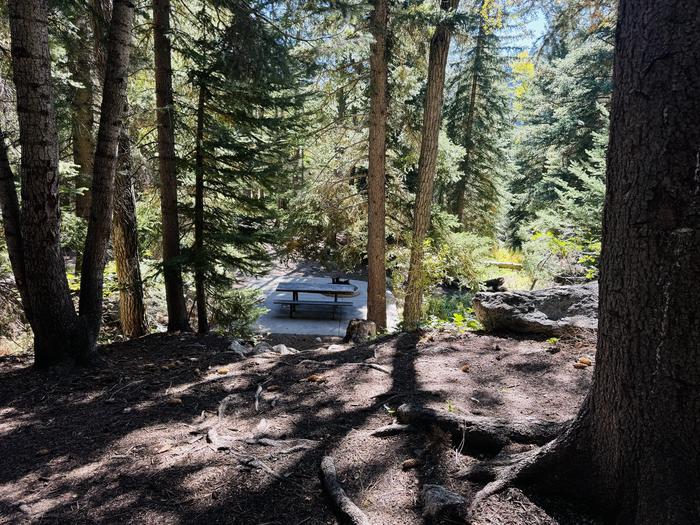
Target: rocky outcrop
x,y
551,311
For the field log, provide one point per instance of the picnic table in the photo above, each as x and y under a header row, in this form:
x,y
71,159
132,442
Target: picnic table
x,y
328,289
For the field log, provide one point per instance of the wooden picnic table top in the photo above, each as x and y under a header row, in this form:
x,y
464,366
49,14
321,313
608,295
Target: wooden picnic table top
x,y
303,287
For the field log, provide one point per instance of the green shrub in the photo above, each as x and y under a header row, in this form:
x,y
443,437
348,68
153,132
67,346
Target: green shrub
x,y
236,311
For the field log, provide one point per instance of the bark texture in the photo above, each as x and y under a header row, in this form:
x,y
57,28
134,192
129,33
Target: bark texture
x,y
177,309
81,69
432,118
132,312
633,449
53,318
105,165
199,279
376,177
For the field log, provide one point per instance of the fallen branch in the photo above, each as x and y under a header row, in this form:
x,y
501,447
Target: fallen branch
x,y
372,365
347,510
299,444
258,391
481,433
332,364
391,430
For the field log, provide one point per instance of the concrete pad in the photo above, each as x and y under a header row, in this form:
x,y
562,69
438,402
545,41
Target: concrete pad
x,y
309,320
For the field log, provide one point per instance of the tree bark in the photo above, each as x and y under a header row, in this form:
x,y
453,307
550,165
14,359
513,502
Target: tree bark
x,y
633,450
376,177
82,116
53,317
199,255
177,309
432,117
105,165
11,224
132,312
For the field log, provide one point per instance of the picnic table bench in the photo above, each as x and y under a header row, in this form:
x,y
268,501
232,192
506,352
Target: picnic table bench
x,y
329,289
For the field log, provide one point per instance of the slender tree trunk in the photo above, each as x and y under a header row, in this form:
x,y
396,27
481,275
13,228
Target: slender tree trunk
x,y
53,317
634,449
177,309
199,255
82,103
469,124
132,313
11,224
105,166
432,117
376,177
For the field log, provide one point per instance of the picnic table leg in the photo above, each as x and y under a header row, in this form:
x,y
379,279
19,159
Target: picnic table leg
x,y
295,297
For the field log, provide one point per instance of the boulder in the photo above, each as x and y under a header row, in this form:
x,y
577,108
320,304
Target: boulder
x,y
262,348
551,311
440,502
283,350
240,349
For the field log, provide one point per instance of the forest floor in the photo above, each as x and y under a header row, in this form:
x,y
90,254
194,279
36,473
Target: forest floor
x,y
130,442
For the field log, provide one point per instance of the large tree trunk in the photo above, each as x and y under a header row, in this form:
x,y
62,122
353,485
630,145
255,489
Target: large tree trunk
x,y
376,177
177,309
53,318
105,165
132,312
199,255
633,450
432,117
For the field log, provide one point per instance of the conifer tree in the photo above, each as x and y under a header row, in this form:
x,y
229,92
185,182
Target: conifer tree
x,y
246,120
478,116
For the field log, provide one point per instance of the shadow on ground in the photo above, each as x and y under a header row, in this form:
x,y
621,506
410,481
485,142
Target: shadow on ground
x,y
127,443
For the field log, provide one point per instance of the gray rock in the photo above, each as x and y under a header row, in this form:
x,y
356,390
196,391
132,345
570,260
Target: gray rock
x,y
438,501
238,348
283,350
551,311
262,348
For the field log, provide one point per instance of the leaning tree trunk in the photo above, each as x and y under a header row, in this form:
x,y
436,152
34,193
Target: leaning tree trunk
x,y
376,177
53,318
633,450
105,165
132,312
172,272
11,224
199,255
432,117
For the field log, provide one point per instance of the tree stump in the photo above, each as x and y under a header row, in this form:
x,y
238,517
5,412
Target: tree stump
x,y
360,331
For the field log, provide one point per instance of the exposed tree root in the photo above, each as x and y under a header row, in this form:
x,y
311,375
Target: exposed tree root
x,y
480,433
347,510
505,470
218,442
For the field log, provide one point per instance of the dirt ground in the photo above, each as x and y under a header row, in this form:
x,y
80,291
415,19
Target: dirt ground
x,y
127,443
